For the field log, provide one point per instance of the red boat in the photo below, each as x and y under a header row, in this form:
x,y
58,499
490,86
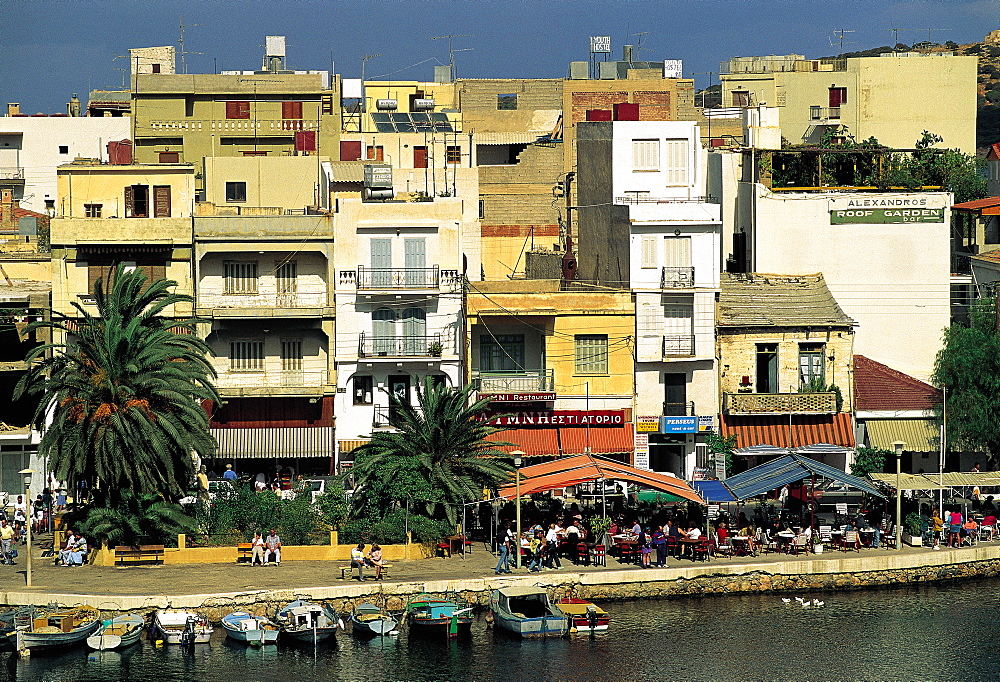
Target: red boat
x,y
585,616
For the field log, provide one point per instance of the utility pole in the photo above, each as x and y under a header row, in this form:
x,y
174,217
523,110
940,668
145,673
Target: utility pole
x,y
451,52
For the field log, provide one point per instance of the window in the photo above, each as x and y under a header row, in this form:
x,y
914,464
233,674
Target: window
x,y
93,210
137,201
156,68
237,109
246,356
811,366
648,256
482,209
254,152
236,191
381,260
591,353
291,355
838,96
501,353
64,149
240,276
286,275
767,368
363,386
415,332
675,394
741,98
291,110
815,113
170,157
161,201
376,153
384,331
453,154
415,254
645,155
675,161
507,101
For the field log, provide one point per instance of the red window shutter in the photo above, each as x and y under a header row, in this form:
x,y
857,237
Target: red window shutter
x,y
835,97
291,110
305,141
237,109
350,150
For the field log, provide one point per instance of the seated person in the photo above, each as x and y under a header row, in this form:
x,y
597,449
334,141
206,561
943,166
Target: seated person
x,y
358,560
375,559
63,558
971,529
272,547
257,545
78,555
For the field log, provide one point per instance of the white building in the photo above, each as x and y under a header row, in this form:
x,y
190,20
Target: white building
x,y
31,147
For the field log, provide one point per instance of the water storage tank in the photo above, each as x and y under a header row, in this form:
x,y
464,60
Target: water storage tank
x,y
386,104
422,105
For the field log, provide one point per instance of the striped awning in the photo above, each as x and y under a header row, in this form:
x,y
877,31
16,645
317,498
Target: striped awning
x,y
567,441
954,479
272,443
789,431
919,435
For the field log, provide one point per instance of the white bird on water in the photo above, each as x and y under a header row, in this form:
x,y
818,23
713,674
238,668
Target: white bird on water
x,y
785,600
817,602
800,600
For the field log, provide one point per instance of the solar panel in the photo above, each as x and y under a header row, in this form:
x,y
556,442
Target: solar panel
x,y
380,118
437,116
384,127
419,117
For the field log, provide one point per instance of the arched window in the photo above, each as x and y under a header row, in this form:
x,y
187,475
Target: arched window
x,y
384,331
414,331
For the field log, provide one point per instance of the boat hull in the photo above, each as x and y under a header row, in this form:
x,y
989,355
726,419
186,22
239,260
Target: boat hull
x,y
42,640
585,616
550,626
254,630
438,626
171,628
309,636
251,636
527,612
117,633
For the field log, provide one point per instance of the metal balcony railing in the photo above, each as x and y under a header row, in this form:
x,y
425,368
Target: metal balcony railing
x,y
258,125
676,277
824,113
270,379
398,278
678,345
400,346
779,403
528,381
11,173
678,409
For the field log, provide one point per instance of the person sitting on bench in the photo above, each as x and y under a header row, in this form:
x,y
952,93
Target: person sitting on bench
x,y
375,559
358,560
272,544
257,545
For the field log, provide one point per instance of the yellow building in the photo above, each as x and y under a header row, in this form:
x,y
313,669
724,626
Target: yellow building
x,y
557,364
893,97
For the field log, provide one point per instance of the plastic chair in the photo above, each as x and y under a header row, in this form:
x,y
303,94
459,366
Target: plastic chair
x,y
702,550
583,553
851,541
444,549
598,555
800,543
725,548
627,554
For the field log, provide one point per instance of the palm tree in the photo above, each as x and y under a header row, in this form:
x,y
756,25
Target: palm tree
x,y
125,518
124,395
438,453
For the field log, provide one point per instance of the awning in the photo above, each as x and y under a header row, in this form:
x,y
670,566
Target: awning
x,y
567,441
789,431
761,450
532,442
920,435
949,479
314,441
987,206
789,469
910,481
578,469
713,491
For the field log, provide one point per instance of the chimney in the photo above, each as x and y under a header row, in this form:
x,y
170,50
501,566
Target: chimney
x,y
7,206
13,109
627,52
73,108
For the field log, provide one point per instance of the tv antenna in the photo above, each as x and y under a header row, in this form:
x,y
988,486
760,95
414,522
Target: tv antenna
x,y
895,36
180,41
451,51
840,32
638,43
929,31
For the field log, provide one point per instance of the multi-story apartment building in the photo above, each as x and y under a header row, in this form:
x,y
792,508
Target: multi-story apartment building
x,y
893,97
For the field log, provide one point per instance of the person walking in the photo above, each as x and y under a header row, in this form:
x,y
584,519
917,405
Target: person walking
x,y
503,564
552,547
536,546
6,538
659,539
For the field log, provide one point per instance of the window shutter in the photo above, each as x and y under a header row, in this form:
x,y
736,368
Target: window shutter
x,y
305,141
161,201
237,109
677,252
129,202
291,110
676,161
645,155
649,251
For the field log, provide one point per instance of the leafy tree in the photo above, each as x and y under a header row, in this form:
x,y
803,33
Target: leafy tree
x,y
125,518
968,367
869,461
125,393
438,455
722,446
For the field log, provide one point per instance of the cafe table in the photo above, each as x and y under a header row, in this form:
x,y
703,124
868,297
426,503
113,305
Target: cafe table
x,y
784,539
741,545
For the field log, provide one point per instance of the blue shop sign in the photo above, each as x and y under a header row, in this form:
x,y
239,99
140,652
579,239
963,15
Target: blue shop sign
x,y
678,424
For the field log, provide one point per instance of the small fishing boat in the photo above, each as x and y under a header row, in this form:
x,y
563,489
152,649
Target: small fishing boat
x,y
244,627
308,622
368,620
117,633
430,615
175,626
527,612
584,615
63,628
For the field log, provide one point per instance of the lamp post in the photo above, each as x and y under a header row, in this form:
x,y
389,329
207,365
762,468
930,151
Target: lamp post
x,y
898,449
517,518
27,496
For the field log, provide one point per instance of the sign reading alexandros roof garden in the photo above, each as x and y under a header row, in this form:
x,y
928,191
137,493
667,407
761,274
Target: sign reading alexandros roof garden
x,y
899,208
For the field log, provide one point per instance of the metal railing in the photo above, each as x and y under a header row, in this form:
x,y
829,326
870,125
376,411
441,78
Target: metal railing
x,y
528,381
235,125
299,299
678,409
398,278
400,346
645,199
678,345
779,403
824,113
11,173
676,277
271,379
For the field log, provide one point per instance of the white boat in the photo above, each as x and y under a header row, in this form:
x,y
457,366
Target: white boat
x,y
584,615
308,622
117,633
528,612
244,627
56,629
175,626
369,620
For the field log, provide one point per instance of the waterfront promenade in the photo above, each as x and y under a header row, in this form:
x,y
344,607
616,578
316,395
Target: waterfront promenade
x,y
215,584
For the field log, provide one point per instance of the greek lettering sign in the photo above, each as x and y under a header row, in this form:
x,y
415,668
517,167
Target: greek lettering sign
x,y
600,43
673,68
678,424
560,418
910,208
647,424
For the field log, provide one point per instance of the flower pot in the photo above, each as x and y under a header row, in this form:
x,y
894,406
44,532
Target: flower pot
x,y
817,549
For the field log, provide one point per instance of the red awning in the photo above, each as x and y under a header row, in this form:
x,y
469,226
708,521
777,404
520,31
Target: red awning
x,y
785,431
567,440
583,468
987,206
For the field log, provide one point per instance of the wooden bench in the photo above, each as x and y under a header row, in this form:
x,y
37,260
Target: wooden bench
x,y
244,553
346,570
138,555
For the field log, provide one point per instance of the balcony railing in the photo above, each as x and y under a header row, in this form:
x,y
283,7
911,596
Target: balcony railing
x,y
529,381
271,379
676,278
398,278
678,345
678,409
400,346
11,173
779,403
647,199
235,125
824,113
290,300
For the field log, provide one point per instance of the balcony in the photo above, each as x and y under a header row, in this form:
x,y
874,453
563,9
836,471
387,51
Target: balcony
x,y
400,279
376,347
234,125
678,345
779,403
268,383
820,115
530,381
678,409
296,304
677,278
11,175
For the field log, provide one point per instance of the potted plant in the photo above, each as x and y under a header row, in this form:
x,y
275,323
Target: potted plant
x,y
435,349
817,543
912,530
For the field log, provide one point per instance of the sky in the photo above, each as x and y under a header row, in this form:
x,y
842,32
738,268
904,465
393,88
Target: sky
x,y
52,49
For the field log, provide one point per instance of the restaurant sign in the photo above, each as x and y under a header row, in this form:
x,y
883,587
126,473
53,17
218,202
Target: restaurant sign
x,y
678,424
521,397
560,418
912,208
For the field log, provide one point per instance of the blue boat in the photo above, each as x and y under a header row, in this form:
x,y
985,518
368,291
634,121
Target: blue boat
x,y
431,615
249,629
528,612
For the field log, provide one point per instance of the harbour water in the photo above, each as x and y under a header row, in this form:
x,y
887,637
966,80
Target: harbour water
x,y
930,632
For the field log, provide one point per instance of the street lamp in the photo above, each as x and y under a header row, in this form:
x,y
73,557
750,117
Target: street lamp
x,y
27,496
898,449
517,493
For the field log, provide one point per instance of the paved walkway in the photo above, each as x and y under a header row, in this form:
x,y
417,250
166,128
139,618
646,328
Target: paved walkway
x,y
217,578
